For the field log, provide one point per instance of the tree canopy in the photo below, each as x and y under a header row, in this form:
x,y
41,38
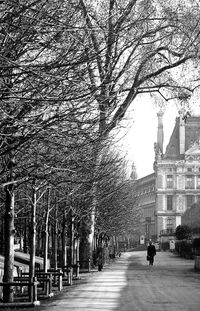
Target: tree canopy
x,y
182,232
69,72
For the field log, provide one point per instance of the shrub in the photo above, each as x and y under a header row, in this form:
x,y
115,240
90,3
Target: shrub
x,y
184,248
196,246
182,232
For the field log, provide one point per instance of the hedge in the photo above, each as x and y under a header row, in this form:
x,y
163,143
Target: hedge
x,y
188,248
196,246
184,248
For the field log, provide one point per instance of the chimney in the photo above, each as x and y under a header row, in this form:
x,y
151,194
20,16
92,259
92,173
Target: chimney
x,y
181,132
160,133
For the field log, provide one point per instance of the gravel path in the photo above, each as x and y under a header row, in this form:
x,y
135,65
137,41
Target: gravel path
x,y
129,285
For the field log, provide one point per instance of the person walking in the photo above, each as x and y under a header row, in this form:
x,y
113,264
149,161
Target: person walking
x,y
151,252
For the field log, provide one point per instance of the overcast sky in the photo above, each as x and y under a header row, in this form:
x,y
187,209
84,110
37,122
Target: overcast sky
x,y
142,133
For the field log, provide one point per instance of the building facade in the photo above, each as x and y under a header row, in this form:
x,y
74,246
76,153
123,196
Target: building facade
x,y
146,201
176,177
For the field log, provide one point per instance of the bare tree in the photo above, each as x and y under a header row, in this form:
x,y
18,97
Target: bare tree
x,y
117,212
83,68
39,52
132,47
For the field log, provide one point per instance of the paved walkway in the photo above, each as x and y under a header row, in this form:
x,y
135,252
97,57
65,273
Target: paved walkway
x,y
129,285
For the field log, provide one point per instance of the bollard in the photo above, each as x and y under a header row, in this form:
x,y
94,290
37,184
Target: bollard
x,y
78,270
60,281
70,272
19,271
35,288
50,284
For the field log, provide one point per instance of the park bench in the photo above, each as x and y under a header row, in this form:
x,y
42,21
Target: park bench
x,y
84,265
32,292
57,275
44,282
72,271
67,274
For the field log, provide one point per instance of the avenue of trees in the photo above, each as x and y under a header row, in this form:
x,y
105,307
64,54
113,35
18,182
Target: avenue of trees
x,y
69,72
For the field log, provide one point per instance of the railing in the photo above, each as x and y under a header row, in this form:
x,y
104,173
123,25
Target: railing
x,y
168,231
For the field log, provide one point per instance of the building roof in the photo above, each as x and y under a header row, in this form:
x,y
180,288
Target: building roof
x,y
192,134
146,180
194,150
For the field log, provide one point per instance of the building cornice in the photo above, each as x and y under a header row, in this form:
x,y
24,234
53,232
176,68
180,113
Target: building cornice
x,y
167,213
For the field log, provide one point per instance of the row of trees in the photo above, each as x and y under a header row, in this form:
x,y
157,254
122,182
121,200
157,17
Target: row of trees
x,y
69,72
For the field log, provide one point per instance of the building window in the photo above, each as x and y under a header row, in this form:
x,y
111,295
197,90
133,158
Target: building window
x,y
169,202
190,200
189,182
198,181
189,169
169,181
169,223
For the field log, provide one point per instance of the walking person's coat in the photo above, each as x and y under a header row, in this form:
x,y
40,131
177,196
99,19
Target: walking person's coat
x,y
151,252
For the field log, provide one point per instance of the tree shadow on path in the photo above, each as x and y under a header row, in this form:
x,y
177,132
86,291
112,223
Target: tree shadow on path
x,y
172,285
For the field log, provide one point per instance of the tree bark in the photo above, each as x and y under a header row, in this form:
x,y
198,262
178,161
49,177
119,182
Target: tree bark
x,y
46,233
71,249
55,238
91,238
9,231
33,235
64,240
9,244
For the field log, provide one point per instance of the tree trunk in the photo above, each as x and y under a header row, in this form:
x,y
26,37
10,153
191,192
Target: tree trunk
x,y
9,243
92,228
46,233
64,240
71,246
33,235
25,236
91,238
55,239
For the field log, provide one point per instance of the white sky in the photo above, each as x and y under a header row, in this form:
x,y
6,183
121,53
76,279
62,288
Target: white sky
x,y
142,133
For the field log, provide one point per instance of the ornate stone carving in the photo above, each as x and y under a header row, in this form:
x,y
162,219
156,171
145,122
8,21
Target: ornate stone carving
x,y
180,203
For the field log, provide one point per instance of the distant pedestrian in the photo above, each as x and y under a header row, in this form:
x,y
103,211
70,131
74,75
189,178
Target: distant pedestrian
x,y
100,263
100,260
151,252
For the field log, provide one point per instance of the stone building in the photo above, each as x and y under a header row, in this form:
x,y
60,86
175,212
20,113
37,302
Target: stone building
x,y
146,201
175,183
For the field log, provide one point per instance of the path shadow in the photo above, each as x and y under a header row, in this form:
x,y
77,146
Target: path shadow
x,y
141,283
